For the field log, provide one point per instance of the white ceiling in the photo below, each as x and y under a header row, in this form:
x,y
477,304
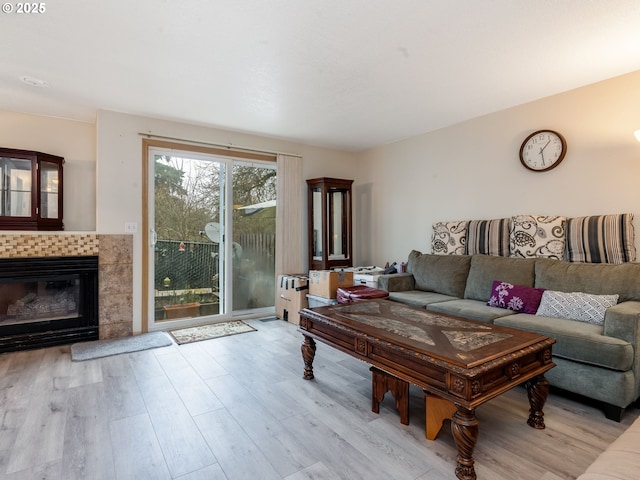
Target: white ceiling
x,y
344,74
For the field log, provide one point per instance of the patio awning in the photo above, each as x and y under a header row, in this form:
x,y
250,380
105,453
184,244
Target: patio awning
x,y
256,208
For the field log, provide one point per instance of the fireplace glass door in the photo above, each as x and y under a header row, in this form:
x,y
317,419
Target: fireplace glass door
x,y
47,302
33,301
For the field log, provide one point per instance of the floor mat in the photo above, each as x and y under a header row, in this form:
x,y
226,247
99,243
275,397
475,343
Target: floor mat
x,y
207,332
116,346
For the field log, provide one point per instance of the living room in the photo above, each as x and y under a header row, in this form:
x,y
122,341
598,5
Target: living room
x,y
465,170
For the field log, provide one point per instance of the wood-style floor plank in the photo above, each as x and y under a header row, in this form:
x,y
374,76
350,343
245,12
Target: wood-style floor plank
x,y
239,457
85,455
136,450
182,444
237,408
192,389
264,429
39,439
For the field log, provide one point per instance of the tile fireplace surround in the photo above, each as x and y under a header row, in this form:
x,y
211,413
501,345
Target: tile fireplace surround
x,y
115,270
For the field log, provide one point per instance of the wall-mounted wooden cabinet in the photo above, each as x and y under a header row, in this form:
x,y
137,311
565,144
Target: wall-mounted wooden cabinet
x,y
330,221
30,190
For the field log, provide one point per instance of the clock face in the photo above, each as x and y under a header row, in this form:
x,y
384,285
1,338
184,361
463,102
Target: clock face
x,y
543,150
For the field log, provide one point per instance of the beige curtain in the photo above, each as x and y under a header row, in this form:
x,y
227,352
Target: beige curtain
x,y
290,245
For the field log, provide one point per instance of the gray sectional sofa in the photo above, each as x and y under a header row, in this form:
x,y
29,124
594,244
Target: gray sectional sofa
x,y
601,362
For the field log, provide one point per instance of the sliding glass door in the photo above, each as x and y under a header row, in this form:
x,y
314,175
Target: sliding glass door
x,y
212,237
254,235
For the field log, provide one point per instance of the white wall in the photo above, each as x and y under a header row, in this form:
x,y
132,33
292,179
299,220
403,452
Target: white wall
x,y
472,170
119,172
76,142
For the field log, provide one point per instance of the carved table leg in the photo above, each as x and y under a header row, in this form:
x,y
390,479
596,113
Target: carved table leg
x,y
308,353
538,390
464,426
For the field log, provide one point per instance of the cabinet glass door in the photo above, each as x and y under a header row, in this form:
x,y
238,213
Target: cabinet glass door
x,y
317,234
49,191
15,200
338,217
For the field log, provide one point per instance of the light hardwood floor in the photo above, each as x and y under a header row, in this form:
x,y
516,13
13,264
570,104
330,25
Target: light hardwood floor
x,y
237,408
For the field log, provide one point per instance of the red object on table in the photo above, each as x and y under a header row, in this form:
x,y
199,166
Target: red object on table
x,y
358,293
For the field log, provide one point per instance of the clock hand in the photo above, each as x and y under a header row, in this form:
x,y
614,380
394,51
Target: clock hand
x,y
542,155
542,150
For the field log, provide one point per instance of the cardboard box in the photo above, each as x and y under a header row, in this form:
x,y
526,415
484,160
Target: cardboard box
x,y
325,283
291,296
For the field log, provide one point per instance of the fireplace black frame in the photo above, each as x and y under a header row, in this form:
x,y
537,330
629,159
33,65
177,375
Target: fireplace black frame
x,y
46,333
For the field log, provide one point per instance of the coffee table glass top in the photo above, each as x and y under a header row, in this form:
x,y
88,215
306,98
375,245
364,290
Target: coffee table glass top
x,y
453,339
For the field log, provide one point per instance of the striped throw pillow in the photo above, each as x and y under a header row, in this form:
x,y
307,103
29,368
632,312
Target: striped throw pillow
x,y
601,239
488,237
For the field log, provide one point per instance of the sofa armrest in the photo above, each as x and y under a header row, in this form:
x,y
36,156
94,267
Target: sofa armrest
x,y
396,282
623,321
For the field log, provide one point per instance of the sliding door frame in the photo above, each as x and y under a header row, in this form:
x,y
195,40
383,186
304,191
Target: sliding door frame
x,y
147,188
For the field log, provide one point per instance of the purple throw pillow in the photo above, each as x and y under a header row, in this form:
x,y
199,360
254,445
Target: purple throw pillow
x,y
515,297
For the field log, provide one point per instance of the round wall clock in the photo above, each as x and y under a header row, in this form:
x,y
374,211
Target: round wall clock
x,y
543,150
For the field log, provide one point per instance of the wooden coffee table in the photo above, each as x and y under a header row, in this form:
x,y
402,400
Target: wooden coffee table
x,y
463,361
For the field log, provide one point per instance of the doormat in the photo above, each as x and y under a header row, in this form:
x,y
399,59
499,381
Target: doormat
x,y
115,346
207,332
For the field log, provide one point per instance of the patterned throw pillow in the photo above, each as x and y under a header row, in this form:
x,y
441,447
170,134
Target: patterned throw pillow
x,y
537,237
449,238
515,297
584,307
601,239
488,237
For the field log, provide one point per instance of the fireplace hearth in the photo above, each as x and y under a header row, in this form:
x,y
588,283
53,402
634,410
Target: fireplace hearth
x,y
47,301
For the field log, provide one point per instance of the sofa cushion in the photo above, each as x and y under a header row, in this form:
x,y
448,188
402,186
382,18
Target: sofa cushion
x,y
485,269
537,236
515,297
577,341
488,237
446,274
449,238
472,309
583,307
419,298
601,239
598,278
